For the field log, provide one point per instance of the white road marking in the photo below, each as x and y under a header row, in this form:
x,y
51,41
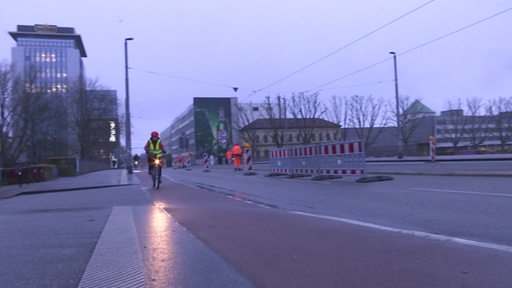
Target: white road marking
x,y
397,163
116,260
411,232
462,192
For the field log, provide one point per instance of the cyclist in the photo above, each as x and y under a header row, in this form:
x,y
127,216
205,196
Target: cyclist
x,y
154,150
136,159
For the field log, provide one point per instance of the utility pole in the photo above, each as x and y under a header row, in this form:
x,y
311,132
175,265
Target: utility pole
x,y
398,122
129,161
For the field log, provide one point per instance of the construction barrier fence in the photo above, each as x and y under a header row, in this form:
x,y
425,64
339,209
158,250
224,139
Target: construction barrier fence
x,y
340,158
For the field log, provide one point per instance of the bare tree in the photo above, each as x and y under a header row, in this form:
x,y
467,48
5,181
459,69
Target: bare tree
x,y
247,115
11,144
338,113
477,126
453,124
303,108
24,117
366,118
276,113
500,110
410,120
90,109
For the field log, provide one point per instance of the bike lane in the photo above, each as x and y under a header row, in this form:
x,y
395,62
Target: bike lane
x,y
171,255
276,248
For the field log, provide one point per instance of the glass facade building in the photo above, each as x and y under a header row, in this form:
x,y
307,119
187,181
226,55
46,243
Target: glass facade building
x,y
208,126
48,61
48,57
71,119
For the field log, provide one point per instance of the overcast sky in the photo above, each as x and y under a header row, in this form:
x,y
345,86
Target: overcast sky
x,y
200,48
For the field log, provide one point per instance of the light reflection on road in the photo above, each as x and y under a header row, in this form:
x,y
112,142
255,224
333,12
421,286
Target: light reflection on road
x,y
160,248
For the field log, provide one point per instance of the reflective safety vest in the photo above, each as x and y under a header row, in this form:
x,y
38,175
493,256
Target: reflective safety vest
x,y
155,148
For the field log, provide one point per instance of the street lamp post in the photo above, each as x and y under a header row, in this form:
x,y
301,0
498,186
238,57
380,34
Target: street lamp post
x,y
129,164
398,124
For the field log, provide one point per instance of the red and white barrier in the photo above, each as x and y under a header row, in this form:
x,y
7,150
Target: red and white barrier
x,y
278,161
342,158
432,150
345,158
189,162
205,162
248,159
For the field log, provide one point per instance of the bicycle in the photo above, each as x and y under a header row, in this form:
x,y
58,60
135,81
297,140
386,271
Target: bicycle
x,y
156,172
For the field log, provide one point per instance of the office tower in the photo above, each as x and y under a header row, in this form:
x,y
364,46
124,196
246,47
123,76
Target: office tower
x,y
48,57
67,116
48,61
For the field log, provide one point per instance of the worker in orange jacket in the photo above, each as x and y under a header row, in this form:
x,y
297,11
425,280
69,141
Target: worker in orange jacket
x,y
229,156
237,157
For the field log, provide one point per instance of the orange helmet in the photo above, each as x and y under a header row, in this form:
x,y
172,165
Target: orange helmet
x,y
154,134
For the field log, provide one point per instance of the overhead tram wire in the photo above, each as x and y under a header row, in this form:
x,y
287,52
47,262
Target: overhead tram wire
x,y
341,48
412,49
359,85
350,74
186,78
457,31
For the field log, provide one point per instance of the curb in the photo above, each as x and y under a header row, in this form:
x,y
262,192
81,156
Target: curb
x,y
446,173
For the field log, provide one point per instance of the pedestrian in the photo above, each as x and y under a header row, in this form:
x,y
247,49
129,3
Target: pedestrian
x,y
181,161
114,161
229,155
19,176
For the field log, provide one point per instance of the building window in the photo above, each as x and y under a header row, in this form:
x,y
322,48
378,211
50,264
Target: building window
x,y
257,138
265,139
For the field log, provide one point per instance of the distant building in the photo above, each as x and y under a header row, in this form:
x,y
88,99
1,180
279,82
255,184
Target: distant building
x,y
454,132
195,130
48,59
417,125
459,133
208,126
101,125
417,110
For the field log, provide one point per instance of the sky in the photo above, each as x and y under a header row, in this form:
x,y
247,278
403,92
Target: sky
x,y
446,49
